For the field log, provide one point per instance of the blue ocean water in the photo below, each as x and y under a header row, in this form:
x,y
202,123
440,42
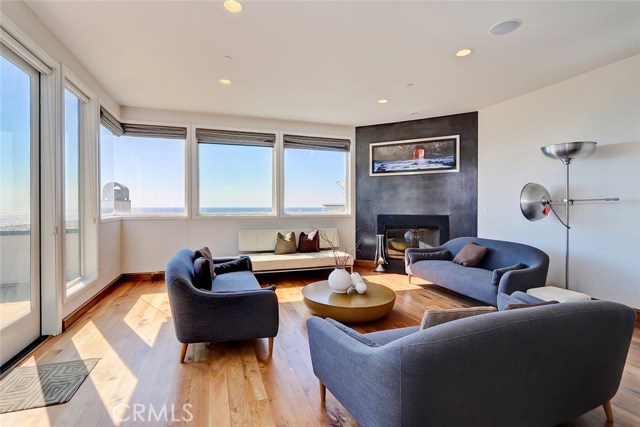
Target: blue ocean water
x,y
409,165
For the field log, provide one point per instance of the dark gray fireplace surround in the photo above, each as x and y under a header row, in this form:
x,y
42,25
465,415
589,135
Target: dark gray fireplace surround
x,y
439,194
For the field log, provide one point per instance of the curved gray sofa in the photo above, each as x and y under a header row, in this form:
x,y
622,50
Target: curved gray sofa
x,y
476,282
533,367
236,308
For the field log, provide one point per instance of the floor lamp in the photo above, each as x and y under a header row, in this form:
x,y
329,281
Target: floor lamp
x,y
535,200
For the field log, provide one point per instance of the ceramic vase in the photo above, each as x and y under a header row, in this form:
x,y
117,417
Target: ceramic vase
x,y
339,281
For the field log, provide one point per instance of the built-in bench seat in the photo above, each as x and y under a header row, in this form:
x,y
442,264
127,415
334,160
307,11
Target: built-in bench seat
x,y
259,245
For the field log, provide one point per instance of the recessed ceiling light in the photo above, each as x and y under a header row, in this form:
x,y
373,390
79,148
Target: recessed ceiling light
x,y
505,27
382,101
233,6
225,82
464,52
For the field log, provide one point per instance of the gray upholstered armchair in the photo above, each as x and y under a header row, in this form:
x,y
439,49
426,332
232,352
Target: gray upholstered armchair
x,y
236,308
531,367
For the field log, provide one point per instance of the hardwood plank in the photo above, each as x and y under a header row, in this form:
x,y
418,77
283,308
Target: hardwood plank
x,y
230,384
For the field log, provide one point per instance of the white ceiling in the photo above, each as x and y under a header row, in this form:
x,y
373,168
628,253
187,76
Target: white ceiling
x,y
329,61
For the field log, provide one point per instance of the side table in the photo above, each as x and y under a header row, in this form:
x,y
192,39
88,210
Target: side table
x,y
550,293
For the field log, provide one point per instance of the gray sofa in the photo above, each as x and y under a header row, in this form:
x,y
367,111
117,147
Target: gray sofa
x,y
476,282
236,308
533,367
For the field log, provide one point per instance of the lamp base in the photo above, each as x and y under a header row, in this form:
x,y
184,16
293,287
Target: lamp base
x,y
380,269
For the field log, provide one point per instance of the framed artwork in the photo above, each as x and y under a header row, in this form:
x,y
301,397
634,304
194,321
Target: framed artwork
x,y
415,156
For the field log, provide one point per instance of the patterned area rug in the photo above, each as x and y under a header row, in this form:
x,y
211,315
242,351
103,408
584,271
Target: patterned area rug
x,y
29,387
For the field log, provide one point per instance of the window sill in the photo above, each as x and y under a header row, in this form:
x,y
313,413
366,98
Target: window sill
x,y
76,287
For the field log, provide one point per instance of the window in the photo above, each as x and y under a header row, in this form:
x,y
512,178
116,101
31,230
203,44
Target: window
x,y
72,192
235,171
19,209
315,175
79,186
142,169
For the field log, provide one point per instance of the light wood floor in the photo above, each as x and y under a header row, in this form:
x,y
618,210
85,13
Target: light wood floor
x,y
229,384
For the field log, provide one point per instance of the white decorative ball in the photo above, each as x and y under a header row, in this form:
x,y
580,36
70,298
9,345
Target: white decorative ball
x,y
355,278
361,287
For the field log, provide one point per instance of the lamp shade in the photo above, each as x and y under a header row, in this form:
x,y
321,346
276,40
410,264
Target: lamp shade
x,y
533,200
567,151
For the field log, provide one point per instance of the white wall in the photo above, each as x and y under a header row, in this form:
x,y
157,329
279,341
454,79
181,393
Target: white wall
x,y
108,233
147,244
603,106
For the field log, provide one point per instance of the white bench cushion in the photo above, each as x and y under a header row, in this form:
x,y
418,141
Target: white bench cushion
x,y
298,261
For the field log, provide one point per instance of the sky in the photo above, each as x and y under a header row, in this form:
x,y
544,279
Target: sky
x,y
71,153
15,138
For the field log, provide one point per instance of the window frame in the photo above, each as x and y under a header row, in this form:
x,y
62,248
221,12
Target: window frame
x,y
87,151
349,182
187,183
195,176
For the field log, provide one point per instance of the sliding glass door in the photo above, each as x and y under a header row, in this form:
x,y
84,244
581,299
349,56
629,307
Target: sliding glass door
x,y
19,205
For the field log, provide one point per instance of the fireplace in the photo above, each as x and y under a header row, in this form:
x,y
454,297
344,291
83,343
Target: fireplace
x,y
411,231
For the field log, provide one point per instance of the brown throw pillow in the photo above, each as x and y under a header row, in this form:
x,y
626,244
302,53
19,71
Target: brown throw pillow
x,y
309,242
537,304
204,252
285,244
437,317
202,274
470,255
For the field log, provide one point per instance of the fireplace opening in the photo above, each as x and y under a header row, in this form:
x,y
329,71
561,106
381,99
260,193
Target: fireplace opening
x,y
400,238
411,231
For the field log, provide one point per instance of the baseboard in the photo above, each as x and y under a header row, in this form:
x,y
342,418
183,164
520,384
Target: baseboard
x,y
364,264
152,275
84,308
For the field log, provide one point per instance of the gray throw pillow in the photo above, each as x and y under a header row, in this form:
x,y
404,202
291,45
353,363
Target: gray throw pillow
x,y
202,274
241,264
206,253
438,317
429,256
285,244
470,255
353,334
499,272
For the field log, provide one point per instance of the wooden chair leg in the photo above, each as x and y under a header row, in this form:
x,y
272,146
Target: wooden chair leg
x,y
270,346
608,411
183,352
323,393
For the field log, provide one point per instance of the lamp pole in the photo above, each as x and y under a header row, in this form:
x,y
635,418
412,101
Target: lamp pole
x,y
567,203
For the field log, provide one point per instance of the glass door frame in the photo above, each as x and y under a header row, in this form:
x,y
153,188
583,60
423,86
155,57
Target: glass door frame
x,y
21,332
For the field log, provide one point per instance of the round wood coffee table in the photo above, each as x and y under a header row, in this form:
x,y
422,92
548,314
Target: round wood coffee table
x,y
377,302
